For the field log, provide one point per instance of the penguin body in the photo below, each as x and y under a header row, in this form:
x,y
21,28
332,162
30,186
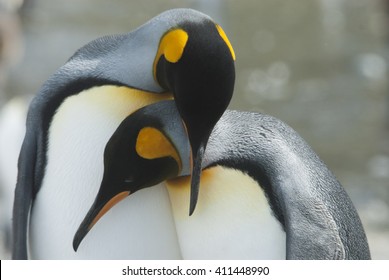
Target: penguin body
x,y
316,213
233,219
264,194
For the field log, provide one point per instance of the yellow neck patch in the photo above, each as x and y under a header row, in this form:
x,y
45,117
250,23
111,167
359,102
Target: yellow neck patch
x,y
152,143
172,46
225,38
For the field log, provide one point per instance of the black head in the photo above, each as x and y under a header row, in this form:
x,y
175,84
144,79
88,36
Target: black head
x,y
147,148
195,61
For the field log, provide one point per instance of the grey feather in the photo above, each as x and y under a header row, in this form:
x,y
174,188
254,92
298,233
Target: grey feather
x,y
317,214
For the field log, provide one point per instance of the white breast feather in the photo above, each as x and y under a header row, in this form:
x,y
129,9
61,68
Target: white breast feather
x,y
141,226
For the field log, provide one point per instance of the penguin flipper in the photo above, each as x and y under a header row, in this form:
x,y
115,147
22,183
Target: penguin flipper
x,y
23,195
312,234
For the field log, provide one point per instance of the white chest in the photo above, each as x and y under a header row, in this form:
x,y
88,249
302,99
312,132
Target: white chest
x,y
232,219
78,134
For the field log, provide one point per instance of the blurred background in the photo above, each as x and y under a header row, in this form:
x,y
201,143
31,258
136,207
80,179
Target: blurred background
x,y
319,65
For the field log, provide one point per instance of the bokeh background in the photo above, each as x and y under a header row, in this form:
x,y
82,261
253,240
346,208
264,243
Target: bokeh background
x,y
319,65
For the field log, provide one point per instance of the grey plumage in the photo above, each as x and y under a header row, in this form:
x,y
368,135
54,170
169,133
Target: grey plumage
x,y
314,209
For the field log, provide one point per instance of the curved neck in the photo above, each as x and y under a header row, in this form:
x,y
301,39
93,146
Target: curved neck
x,y
304,195
257,145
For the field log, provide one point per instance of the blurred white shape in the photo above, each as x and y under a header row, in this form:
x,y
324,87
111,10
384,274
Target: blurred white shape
x,y
258,81
279,73
269,84
378,166
12,129
372,66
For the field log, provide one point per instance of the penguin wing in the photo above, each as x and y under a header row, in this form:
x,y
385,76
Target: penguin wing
x,y
311,232
316,213
24,193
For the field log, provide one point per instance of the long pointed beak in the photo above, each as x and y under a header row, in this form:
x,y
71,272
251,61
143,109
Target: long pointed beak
x,y
196,176
101,205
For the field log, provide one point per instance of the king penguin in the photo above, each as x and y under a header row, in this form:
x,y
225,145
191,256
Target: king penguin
x,y
264,193
180,54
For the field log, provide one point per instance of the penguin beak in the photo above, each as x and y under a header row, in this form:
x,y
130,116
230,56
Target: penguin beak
x,y
102,204
198,150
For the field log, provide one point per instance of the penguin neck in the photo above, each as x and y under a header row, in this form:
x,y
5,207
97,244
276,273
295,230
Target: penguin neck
x,y
304,195
271,153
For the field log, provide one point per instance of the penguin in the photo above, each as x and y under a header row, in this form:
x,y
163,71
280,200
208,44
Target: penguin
x,y
265,194
180,54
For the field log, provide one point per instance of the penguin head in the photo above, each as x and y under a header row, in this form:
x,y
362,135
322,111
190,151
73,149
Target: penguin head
x,y
195,61
148,147
182,52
